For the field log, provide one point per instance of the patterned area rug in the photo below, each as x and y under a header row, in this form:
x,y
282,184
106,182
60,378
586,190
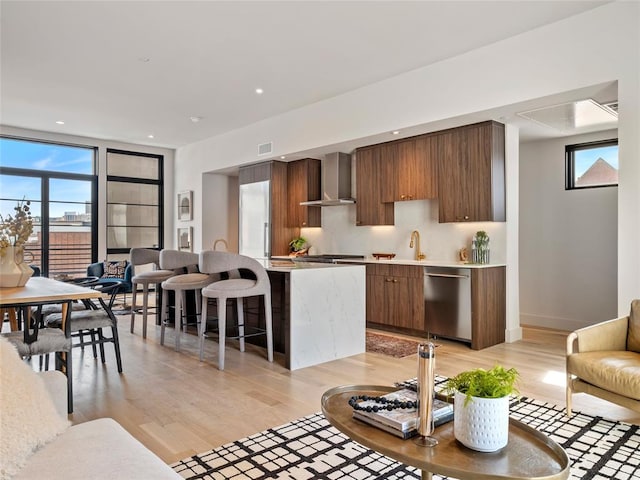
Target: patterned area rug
x,y
389,345
310,448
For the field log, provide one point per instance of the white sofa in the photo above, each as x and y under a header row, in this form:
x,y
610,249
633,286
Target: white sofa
x,y
98,450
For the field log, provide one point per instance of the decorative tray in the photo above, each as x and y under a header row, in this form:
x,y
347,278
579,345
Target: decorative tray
x,y
384,256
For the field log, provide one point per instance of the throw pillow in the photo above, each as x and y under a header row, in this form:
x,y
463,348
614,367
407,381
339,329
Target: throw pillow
x,y
29,418
633,334
114,269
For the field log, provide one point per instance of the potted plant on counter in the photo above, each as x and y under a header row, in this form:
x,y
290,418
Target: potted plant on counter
x,y
298,246
481,406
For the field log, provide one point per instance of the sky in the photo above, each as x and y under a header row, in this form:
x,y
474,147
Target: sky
x,y
48,157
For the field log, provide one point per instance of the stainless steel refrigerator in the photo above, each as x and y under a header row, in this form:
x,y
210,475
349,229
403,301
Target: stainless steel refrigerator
x,y
254,222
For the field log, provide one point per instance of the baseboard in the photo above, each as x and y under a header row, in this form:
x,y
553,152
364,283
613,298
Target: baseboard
x,y
554,323
513,334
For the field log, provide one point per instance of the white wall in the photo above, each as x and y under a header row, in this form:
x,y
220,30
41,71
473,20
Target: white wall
x,y
596,47
439,241
102,146
568,241
219,211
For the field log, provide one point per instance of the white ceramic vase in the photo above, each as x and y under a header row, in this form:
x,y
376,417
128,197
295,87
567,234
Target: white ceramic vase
x,y
483,423
13,271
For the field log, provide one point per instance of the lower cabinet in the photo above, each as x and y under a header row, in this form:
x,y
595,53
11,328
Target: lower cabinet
x,y
488,306
394,297
401,298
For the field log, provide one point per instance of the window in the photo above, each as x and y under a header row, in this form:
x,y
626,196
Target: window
x,y
593,164
134,202
60,183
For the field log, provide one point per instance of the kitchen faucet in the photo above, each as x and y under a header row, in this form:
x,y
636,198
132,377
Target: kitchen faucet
x,y
419,254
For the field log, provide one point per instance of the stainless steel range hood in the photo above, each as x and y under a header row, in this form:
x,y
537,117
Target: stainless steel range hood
x,y
336,181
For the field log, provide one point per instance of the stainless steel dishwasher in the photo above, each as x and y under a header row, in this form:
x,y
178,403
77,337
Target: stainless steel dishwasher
x,y
447,302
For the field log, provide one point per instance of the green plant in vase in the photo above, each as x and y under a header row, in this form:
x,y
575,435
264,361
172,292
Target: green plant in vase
x,y
481,406
495,383
298,246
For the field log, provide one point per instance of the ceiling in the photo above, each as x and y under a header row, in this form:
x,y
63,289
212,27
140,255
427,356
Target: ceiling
x,y
129,69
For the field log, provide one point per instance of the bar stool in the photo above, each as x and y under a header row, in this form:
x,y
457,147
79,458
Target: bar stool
x,y
180,284
217,262
146,256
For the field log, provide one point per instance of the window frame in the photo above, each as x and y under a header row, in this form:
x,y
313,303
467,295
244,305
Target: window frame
x,y
569,153
45,177
113,253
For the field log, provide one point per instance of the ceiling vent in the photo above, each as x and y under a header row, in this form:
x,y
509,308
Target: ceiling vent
x,y
611,106
265,148
574,117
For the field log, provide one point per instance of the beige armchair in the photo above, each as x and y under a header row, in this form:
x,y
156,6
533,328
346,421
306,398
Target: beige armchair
x,y
604,360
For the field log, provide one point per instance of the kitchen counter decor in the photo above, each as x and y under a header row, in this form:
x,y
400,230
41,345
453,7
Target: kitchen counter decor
x,y
480,248
384,256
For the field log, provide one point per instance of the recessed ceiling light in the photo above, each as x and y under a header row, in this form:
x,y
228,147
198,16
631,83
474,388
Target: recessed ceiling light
x,y
396,132
259,91
149,136
60,122
195,119
282,157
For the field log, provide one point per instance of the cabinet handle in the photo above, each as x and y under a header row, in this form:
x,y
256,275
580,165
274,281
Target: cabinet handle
x,y
304,224
395,280
466,217
402,197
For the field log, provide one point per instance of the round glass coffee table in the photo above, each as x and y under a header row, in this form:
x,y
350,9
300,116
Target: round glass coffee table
x,y
529,455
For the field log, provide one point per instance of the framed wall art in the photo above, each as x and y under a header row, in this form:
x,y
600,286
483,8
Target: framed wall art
x,y
185,243
185,205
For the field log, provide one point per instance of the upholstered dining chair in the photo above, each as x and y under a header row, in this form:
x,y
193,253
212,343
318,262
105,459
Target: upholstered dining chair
x,y
146,256
36,341
91,321
185,265
214,262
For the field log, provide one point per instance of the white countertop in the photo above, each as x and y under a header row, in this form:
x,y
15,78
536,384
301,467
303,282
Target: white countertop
x,y
285,265
279,263
426,263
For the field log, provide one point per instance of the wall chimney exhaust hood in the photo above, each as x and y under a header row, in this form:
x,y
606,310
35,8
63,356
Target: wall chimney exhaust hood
x,y
336,181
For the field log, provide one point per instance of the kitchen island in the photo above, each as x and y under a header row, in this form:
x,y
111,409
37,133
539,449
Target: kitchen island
x,y
318,311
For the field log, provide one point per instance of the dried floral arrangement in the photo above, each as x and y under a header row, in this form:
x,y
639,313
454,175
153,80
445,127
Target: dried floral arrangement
x,y
16,229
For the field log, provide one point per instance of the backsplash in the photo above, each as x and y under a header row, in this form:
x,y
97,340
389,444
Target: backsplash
x,y
439,241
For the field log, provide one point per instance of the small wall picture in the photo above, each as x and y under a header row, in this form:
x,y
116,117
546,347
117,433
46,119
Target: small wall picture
x,y
185,244
185,205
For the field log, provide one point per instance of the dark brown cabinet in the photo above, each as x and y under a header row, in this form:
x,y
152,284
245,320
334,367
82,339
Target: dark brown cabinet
x,y
303,184
471,183
410,169
488,307
395,297
370,210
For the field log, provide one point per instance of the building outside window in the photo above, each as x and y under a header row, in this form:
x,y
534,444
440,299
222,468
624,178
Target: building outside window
x,y
593,164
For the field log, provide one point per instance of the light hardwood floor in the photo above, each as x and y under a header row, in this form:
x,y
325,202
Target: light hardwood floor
x,y
178,406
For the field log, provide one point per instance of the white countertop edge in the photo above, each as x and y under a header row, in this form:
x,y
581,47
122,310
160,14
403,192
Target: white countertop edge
x,y
423,263
427,263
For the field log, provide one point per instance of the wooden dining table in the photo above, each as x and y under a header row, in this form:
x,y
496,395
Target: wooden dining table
x,y
45,291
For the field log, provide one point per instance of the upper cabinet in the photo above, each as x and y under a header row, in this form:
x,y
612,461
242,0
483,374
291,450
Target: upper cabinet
x,y
410,169
471,183
303,184
370,209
